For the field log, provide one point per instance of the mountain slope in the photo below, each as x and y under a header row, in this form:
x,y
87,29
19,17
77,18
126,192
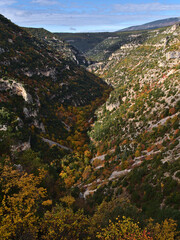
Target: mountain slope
x,y
93,44
153,25
104,49
36,82
136,136
65,49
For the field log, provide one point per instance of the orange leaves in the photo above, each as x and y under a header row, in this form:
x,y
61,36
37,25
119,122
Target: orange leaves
x,y
149,149
172,111
87,172
98,153
176,132
149,157
69,181
124,142
142,146
96,162
137,153
87,154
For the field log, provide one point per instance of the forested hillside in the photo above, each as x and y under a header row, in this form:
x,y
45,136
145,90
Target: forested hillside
x,y
65,49
36,82
136,136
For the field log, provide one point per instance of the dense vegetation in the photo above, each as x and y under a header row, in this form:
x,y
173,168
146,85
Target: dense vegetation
x,y
28,213
66,50
66,173
136,136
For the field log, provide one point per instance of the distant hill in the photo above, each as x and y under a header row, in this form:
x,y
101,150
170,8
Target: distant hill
x,y
84,41
152,25
87,42
104,49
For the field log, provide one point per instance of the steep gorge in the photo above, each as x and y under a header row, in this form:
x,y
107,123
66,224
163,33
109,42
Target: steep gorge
x,y
105,140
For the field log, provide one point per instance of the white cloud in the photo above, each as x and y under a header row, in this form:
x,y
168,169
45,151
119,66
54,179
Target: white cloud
x,y
26,18
45,2
6,3
145,7
119,15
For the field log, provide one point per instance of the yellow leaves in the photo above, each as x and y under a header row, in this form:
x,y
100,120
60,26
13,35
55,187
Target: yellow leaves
x,y
123,229
47,202
69,200
125,164
164,231
69,181
19,203
63,174
68,175
64,224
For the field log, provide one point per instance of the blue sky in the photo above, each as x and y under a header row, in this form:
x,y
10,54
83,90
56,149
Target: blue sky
x,y
87,16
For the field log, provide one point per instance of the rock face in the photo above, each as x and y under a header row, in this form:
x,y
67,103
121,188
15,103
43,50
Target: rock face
x,y
173,55
21,146
95,66
15,88
2,50
117,174
3,128
112,106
